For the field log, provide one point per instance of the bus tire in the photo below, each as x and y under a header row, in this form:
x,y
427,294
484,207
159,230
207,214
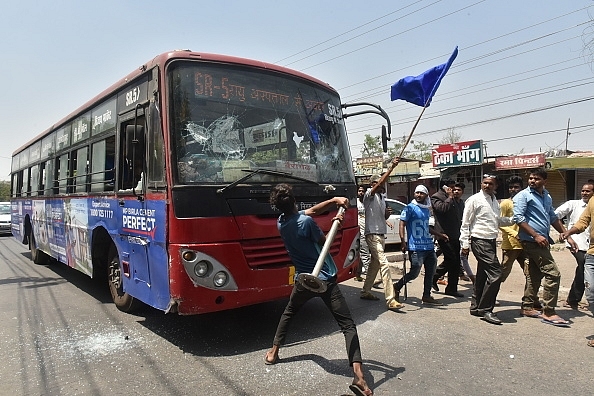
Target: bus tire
x,y
37,255
122,300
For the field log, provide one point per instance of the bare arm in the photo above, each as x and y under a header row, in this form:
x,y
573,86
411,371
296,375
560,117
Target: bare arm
x,y
401,232
385,176
325,206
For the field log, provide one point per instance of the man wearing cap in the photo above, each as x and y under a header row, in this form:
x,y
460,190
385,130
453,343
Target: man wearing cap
x,y
418,242
480,227
376,214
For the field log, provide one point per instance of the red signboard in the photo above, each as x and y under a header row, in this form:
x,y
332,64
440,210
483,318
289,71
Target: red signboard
x,y
458,154
520,161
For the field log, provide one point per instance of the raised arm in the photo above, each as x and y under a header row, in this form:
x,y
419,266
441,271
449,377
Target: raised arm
x,y
325,206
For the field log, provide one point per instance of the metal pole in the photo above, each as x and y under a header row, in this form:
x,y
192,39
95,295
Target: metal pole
x,y
311,281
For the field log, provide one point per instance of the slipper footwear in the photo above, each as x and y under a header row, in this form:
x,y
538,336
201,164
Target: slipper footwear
x,y
531,313
270,362
556,322
590,343
358,391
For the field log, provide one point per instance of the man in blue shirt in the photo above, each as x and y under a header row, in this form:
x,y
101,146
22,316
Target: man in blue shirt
x,y
534,214
419,243
303,238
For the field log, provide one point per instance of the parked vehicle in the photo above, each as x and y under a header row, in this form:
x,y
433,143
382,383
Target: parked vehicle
x,y
4,218
393,237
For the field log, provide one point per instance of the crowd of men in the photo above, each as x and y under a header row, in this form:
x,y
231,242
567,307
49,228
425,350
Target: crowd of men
x,y
523,220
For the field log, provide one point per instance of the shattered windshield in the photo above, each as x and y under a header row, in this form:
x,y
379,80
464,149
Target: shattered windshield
x,y
226,120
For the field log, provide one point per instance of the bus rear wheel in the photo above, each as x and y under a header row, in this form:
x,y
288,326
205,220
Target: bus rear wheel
x,y
37,255
122,300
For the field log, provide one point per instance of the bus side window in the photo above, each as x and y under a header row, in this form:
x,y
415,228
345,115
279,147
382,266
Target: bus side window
x,y
17,184
82,166
132,160
48,178
34,180
102,165
25,188
62,174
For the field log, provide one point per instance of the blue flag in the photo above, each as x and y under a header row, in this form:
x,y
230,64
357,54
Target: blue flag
x,y
420,89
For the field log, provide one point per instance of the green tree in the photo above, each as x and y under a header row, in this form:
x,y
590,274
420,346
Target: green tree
x,y
415,150
4,191
371,146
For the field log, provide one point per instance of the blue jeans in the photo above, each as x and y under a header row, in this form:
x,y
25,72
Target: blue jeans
x,y
589,280
418,258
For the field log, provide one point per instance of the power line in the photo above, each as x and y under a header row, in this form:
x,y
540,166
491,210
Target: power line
x,y
468,47
496,101
392,36
350,31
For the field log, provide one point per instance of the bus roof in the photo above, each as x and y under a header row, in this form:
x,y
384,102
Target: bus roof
x,y
162,60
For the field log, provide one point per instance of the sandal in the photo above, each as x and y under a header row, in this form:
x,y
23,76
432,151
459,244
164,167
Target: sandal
x,y
531,313
270,362
591,343
360,391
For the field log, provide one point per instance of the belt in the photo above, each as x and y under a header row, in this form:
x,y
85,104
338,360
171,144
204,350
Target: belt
x,y
482,239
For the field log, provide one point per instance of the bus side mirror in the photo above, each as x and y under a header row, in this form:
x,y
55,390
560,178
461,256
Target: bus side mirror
x,y
384,139
134,140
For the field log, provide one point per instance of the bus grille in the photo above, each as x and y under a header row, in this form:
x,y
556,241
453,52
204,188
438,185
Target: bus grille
x,y
271,252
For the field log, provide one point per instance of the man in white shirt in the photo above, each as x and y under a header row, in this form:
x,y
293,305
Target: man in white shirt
x,y
573,209
480,226
376,214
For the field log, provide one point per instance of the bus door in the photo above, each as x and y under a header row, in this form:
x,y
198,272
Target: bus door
x,y
138,222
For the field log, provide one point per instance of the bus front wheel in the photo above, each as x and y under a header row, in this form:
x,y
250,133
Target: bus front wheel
x,y
37,255
122,300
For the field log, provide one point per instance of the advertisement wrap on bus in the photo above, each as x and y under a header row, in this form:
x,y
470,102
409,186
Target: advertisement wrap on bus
x,y
161,183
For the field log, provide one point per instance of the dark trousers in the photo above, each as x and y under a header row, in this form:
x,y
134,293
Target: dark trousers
x,y
577,287
417,259
450,264
337,305
488,275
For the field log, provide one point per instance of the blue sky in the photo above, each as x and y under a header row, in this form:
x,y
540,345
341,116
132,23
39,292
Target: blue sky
x,y
519,77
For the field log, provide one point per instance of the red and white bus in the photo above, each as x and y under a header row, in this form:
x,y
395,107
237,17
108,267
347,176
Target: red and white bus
x,y
161,183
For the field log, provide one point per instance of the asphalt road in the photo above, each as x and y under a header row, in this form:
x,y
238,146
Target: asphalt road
x,y
60,335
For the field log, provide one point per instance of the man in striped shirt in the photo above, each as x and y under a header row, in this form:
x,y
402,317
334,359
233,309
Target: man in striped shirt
x,y
480,226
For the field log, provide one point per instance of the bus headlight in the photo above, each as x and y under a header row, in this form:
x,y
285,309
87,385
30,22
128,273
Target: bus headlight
x,y
201,268
351,256
220,279
206,271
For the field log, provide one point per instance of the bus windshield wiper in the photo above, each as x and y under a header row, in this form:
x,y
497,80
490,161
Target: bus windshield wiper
x,y
265,172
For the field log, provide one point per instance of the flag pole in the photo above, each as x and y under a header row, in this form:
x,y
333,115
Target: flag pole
x,y
411,132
